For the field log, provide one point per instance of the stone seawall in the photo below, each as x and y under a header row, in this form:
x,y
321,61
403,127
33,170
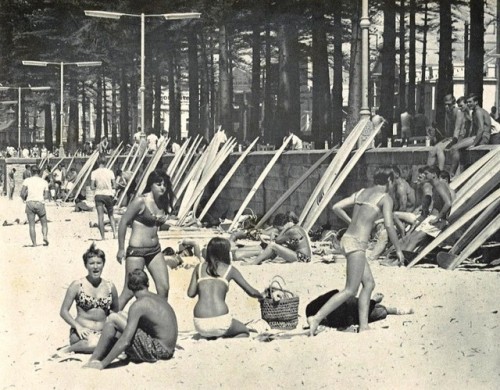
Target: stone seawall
x,y
290,166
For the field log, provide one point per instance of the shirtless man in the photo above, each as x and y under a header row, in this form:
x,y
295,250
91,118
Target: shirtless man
x,y
148,334
404,193
442,198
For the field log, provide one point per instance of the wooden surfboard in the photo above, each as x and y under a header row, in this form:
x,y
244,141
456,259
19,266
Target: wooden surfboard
x,y
194,170
467,217
226,179
465,175
177,157
332,170
292,189
132,177
259,181
475,244
114,155
153,163
125,162
87,173
188,158
88,165
314,215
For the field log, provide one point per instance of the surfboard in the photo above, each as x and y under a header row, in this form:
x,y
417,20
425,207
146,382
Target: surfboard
x,y
194,169
125,162
177,157
453,261
461,221
332,170
315,214
88,165
459,180
153,163
259,181
292,189
188,158
226,179
132,177
114,155
93,160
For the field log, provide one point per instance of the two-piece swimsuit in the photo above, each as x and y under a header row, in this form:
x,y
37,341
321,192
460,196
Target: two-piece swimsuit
x,y
293,244
148,219
213,326
350,243
87,302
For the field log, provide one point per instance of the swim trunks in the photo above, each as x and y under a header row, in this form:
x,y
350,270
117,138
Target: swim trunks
x,y
350,244
213,326
35,208
148,253
106,201
428,228
145,348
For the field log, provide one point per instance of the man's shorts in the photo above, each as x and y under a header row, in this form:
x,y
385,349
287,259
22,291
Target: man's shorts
x,y
145,348
35,208
428,228
106,201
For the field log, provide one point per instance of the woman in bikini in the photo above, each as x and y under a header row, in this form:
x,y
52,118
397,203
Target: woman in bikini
x,y
146,213
210,281
95,298
368,205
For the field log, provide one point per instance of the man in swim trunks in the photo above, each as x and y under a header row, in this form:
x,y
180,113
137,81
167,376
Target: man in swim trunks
x,y
148,334
34,192
103,183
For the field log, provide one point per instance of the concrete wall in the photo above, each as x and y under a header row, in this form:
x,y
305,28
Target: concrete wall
x,y
287,170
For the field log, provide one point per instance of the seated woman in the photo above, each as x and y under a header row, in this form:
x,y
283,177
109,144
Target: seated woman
x,y
210,281
291,244
95,298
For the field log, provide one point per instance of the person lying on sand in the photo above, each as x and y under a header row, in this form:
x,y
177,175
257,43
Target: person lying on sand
x,y
148,334
95,298
346,315
210,282
291,244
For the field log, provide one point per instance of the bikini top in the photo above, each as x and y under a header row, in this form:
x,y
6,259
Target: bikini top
x,y
147,218
373,204
87,302
208,277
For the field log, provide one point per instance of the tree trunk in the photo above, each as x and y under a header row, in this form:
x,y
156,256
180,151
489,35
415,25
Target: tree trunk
x,y
204,91
402,58
72,137
321,99
268,97
157,102
124,109
148,94
114,137
253,126
288,110
214,103
424,55
134,101
194,82
445,72
98,112
84,114
47,135
105,107
225,103
388,60
477,48
412,74
354,71
337,99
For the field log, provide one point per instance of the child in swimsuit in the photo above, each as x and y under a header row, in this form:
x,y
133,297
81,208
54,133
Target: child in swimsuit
x,y
95,298
210,281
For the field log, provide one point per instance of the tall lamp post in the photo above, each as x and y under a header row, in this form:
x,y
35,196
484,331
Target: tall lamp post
x,y
61,65
19,89
118,15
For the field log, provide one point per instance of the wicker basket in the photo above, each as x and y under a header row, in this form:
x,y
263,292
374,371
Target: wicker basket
x,y
282,313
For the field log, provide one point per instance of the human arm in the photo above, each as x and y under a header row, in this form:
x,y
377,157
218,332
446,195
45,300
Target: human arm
x,y
24,192
193,285
483,128
114,299
134,315
92,184
70,296
338,208
458,130
133,209
236,275
445,196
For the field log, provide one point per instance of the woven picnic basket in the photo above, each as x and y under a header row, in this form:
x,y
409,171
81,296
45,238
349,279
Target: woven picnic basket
x,y
282,313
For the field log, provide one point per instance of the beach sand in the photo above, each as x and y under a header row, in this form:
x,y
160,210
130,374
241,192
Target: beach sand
x,y
451,341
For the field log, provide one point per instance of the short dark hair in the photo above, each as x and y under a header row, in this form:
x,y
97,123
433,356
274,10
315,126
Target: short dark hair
x,y
432,169
35,170
280,219
473,96
93,251
382,176
137,280
445,175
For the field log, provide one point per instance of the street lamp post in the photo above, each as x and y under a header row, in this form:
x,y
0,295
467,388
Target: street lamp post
x,y
61,65
19,89
118,15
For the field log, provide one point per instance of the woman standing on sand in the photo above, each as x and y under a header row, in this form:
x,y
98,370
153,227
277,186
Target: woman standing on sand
x,y
95,298
210,281
146,213
368,205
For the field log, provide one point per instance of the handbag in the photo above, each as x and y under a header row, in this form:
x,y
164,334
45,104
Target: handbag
x,y
280,307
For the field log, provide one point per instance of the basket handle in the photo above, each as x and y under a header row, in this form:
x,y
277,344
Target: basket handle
x,y
276,281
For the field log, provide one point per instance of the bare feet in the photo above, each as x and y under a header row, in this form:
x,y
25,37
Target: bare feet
x,y
377,297
313,325
94,364
363,328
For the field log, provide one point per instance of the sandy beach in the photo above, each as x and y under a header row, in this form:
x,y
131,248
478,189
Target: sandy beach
x,y
451,341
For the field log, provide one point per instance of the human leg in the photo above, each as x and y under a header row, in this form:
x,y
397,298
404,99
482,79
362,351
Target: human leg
x,y
247,252
158,269
411,241
237,329
112,222
356,262
131,263
106,341
456,153
368,284
273,249
45,229
100,218
31,222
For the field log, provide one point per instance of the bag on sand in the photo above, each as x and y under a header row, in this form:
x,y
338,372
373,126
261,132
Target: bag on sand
x,y
280,307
